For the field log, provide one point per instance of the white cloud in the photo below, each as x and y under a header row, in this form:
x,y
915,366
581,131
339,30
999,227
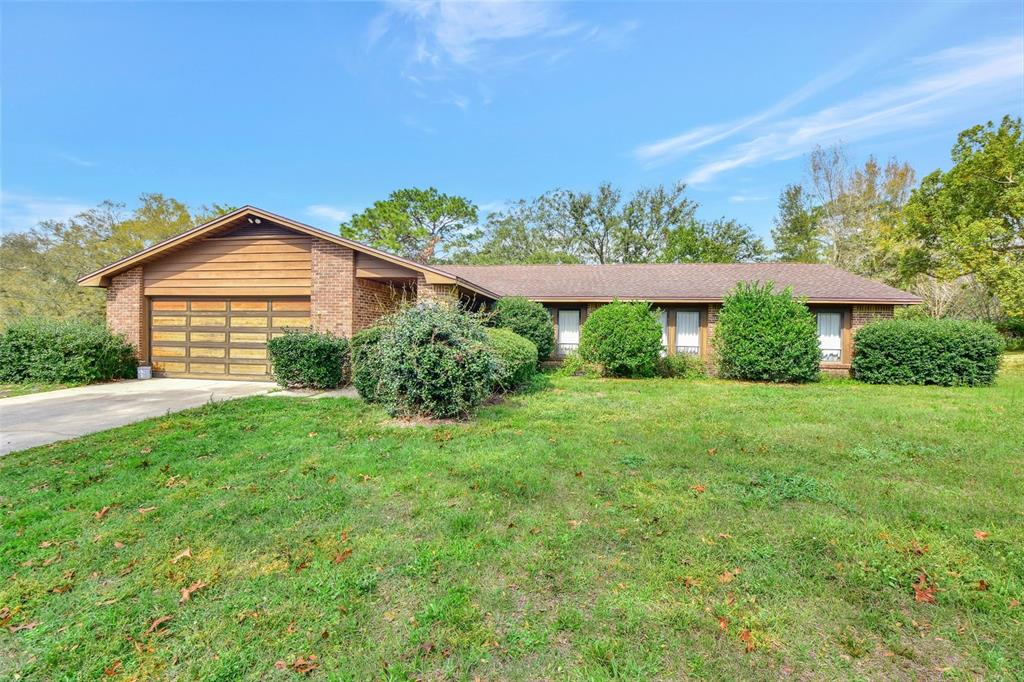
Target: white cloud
x,y
746,198
938,85
337,214
19,212
76,160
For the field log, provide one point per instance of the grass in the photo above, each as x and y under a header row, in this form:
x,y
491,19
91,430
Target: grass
x,y
596,529
14,390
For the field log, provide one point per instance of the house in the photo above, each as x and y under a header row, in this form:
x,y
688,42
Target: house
x,y
204,303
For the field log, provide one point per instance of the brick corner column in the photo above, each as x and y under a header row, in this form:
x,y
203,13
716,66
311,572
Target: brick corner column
x,y
126,310
438,293
331,282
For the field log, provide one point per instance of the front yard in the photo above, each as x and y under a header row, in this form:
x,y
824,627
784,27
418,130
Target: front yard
x,y
594,529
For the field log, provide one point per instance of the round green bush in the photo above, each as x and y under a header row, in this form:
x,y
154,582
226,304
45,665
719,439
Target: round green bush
x,y
681,366
527,318
516,357
762,335
302,359
64,352
624,338
434,361
365,361
943,352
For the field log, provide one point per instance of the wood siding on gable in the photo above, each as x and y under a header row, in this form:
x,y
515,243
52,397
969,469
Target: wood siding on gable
x,y
234,266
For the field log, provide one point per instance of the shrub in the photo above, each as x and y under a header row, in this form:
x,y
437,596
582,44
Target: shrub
x,y
64,352
943,352
624,338
516,358
911,312
309,359
434,361
365,361
762,335
681,367
575,366
527,318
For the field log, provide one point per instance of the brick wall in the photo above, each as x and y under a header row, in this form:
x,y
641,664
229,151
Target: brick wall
x,y
126,310
332,281
371,300
433,292
865,314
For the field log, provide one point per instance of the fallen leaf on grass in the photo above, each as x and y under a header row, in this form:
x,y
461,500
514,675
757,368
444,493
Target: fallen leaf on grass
x,y
923,592
747,639
118,544
112,669
5,616
689,582
157,625
982,585
146,510
23,626
302,567
101,513
61,589
573,523
712,451
186,554
341,556
917,548
729,575
187,592
47,543
579,474
723,624
1014,603
697,488
980,534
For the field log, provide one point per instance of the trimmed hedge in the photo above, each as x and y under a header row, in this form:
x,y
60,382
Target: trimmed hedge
x,y
365,361
516,357
943,352
624,338
434,360
766,336
305,359
527,318
64,352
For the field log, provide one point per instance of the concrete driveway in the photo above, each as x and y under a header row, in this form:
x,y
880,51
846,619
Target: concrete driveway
x,y
42,418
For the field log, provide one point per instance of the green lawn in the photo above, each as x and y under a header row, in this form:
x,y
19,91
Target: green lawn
x,y
13,390
593,529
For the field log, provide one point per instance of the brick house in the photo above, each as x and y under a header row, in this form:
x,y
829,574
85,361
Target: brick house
x,y
204,303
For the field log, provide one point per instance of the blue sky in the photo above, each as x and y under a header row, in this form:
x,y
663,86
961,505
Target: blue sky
x,y
316,110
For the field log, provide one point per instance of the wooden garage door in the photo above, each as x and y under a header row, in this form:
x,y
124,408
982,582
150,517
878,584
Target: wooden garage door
x,y
219,337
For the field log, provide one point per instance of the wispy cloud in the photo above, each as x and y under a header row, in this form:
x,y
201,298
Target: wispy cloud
x,y
746,198
335,214
450,37
934,86
19,212
75,160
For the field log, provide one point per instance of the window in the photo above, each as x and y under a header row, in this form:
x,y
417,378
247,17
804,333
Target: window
x,y
663,316
568,331
830,336
688,332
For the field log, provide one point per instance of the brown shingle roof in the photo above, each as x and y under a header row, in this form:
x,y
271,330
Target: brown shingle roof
x,y
674,281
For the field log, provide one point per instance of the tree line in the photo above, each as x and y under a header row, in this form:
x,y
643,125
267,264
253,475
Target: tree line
x,y
956,237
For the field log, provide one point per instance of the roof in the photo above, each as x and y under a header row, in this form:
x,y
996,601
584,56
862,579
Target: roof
x,y
675,282
433,275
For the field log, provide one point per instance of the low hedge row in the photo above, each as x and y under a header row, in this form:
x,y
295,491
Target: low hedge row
x,y
63,352
303,359
927,351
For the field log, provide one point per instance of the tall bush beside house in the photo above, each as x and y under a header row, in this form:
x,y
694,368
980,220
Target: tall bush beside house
x,y
304,359
365,360
762,335
527,318
625,338
943,352
435,361
516,357
64,352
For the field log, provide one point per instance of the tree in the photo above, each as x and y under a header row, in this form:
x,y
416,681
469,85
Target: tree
x,y
42,264
647,219
420,224
857,209
796,235
522,233
716,241
593,220
969,220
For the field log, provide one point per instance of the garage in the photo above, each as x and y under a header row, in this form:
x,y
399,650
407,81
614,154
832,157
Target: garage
x,y
219,337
